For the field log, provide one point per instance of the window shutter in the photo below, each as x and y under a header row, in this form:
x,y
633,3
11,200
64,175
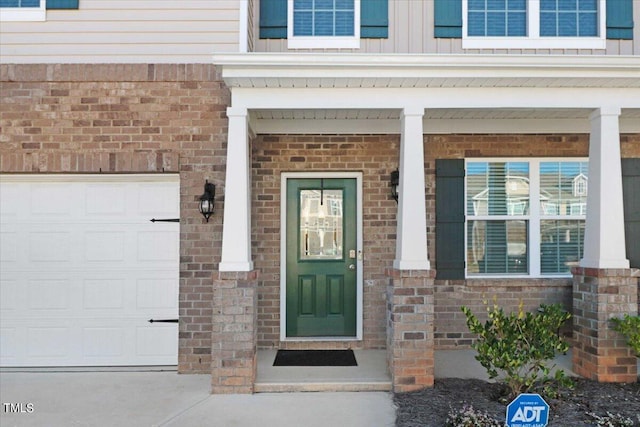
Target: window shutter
x,y
448,18
631,191
620,19
450,219
374,19
62,4
273,19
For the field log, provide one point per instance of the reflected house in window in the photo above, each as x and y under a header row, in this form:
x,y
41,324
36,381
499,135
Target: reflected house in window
x,y
500,217
321,224
516,190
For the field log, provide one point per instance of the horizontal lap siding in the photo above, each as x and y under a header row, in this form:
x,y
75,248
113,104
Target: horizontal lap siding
x,y
411,30
126,31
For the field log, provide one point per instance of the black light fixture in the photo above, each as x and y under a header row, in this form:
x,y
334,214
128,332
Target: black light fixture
x,y
207,200
395,181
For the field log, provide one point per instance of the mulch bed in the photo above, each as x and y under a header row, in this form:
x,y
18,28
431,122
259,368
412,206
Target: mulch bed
x,y
429,407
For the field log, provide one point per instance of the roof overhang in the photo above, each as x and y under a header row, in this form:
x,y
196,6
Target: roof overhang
x,y
313,70
329,93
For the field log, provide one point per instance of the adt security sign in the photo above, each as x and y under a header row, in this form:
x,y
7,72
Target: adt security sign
x,y
528,410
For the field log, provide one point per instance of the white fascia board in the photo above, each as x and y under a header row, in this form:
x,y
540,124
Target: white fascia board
x,y
236,67
400,98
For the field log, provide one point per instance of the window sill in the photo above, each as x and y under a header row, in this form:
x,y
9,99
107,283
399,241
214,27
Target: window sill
x,y
534,43
518,277
323,43
20,14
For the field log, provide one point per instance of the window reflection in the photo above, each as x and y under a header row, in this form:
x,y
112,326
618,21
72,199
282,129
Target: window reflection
x,y
321,224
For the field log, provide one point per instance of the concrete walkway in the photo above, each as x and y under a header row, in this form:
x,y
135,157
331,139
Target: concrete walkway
x,y
139,399
167,399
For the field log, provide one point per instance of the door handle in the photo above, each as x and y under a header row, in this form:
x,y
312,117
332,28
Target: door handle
x,y
352,266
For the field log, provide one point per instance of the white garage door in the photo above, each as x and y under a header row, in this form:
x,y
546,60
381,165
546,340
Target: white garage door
x,y
82,270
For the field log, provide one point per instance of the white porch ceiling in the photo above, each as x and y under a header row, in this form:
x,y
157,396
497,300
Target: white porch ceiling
x,y
440,120
434,114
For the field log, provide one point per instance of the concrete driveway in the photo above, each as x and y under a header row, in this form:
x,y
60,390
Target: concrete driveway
x,y
168,399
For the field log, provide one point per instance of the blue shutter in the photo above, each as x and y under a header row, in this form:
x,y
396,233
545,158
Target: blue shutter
x,y
62,4
620,19
448,18
450,219
273,19
374,19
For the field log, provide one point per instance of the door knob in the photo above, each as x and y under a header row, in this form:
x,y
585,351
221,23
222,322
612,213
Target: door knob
x,y
352,266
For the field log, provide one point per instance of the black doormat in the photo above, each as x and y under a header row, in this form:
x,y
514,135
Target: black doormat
x,y
315,358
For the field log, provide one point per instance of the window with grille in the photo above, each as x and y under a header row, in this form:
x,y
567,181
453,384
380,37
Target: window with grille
x,y
524,217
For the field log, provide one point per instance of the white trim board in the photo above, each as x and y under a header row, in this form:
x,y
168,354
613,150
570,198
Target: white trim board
x,y
283,254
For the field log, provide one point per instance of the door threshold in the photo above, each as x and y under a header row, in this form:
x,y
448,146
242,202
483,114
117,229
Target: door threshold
x,y
371,374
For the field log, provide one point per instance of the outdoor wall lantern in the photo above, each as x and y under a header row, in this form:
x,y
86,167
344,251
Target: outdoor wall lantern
x,y
207,200
395,181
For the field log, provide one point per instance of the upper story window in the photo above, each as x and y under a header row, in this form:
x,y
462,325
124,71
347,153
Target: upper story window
x,y
32,10
569,18
529,24
23,10
323,24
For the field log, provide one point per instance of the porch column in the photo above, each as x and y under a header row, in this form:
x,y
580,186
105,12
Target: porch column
x,y
604,286
410,340
236,230
411,239
604,240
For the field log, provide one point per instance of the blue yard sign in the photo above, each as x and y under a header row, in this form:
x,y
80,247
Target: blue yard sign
x,y
528,410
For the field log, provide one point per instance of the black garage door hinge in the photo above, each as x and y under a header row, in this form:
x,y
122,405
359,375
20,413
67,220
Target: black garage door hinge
x,y
163,320
165,220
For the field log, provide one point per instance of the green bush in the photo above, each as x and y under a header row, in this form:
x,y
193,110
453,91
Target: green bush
x,y
517,345
629,326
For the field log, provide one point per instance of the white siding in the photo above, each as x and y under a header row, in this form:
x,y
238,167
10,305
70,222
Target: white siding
x,y
411,31
159,31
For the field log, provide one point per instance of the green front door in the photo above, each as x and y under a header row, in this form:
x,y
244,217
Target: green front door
x,y
321,257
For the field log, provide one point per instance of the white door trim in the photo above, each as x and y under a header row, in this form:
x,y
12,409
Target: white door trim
x,y
283,253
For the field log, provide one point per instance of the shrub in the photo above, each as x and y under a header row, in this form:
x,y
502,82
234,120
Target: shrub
x,y
468,416
517,345
629,326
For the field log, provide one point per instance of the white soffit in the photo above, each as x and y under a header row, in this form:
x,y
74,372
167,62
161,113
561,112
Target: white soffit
x,y
299,70
436,121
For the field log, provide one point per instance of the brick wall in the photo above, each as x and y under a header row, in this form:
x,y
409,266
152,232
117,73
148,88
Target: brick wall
x,y
133,118
375,157
146,118
450,326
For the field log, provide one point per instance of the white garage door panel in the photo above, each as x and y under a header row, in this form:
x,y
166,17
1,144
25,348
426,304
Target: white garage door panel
x,y
82,270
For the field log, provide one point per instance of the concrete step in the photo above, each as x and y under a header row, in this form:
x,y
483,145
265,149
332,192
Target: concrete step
x,y
288,387
371,374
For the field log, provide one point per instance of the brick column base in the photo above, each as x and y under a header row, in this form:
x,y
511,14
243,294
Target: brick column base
x,y
234,338
600,353
410,340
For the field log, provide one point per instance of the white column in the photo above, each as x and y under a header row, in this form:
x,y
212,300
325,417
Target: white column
x,y
411,240
236,228
604,240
